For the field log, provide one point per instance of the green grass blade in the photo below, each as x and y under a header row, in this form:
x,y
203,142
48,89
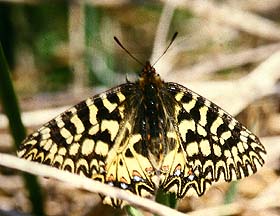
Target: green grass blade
x,y
11,108
131,211
167,199
231,193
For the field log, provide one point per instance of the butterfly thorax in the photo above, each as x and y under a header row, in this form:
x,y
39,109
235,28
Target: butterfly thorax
x,y
150,84
148,76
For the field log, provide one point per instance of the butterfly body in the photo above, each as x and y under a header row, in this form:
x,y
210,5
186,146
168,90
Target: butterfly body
x,y
154,116
146,136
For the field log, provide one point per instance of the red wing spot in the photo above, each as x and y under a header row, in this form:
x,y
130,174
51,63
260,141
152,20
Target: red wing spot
x,y
177,170
165,168
123,180
149,137
135,173
191,175
149,170
190,172
136,176
111,178
178,167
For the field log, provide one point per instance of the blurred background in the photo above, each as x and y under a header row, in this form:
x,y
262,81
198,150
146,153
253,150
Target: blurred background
x,y
61,52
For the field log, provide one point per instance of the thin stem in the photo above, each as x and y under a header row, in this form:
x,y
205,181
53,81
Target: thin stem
x,y
11,108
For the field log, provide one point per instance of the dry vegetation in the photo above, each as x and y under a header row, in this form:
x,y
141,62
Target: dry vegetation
x,y
228,52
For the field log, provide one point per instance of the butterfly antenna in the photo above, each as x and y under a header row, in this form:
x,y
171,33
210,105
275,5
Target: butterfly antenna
x,y
132,56
170,43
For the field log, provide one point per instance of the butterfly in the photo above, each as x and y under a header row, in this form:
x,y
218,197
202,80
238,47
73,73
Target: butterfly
x,y
148,135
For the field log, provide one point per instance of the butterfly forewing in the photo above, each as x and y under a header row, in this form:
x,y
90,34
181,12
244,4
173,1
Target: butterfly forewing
x,y
146,136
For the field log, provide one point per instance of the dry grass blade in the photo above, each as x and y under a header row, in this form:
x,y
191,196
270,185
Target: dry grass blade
x,y
162,30
222,13
256,5
85,183
77,44
259,203
259,83
225,61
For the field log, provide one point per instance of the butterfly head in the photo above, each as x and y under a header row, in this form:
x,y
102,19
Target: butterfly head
x,y
148,69
149,75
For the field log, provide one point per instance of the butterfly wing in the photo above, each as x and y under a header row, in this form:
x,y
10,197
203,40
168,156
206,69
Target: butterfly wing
x,y
95,138
215,145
